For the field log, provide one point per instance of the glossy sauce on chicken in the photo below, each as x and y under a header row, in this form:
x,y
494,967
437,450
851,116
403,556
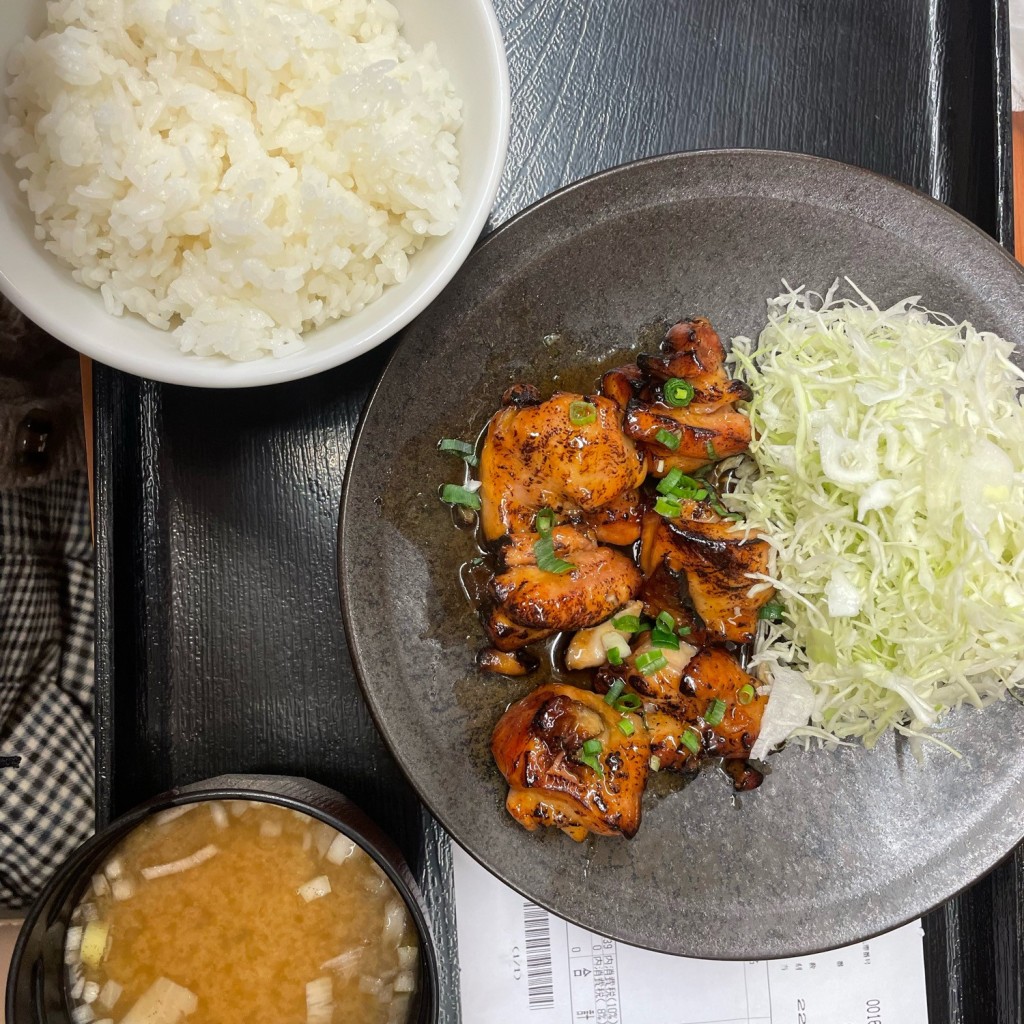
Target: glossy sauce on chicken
x,y
614,571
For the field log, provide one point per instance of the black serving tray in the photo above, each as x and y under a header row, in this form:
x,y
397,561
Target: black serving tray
x,y
220,645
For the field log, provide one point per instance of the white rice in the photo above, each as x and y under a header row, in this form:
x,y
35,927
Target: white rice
x,y
235,170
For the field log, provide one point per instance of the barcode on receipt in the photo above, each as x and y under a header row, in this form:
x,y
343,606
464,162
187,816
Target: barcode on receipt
x,y
539,978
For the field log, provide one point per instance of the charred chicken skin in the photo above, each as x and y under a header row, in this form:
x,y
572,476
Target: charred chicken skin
x,y
569,765
718,560
692,351
569,454
704,430
688,693
531,603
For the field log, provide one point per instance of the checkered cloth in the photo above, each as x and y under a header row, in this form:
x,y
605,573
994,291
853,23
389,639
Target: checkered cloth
x,y
46,681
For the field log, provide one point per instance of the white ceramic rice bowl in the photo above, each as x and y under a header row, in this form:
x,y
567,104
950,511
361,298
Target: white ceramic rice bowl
x,y
470,46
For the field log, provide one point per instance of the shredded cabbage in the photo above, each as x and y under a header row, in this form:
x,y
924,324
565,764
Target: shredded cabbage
x,y
890,484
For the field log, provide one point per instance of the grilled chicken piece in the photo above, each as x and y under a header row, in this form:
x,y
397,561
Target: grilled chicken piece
x,y
705,434
663,592
684,691
623,384
693,351
714,674
535,456
709,428
537,745
660,687
717,559
673,755
506,663
666,732
530,604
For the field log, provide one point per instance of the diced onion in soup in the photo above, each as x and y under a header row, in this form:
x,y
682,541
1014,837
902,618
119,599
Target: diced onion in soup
x,y
271,829
122,889
82,1014
109,994
164,1002
407,956
323,836
395,922
90,991
73,940
315,888
340,849
405,982
371,986
319,1001
345,963
219,815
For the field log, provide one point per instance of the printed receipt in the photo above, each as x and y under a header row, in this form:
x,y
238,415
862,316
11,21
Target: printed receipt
x,y
522,965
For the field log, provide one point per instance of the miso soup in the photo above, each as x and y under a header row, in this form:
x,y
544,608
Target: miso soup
x,y
240,913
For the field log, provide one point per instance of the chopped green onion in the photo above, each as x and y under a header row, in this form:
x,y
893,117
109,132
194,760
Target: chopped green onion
x,y
547,560
677,485
627,623
667,438
614,690
461,448
588,755
678,392
710,449
452,494
772,611
545,521
650,662
665,621
628,702
664,639
626,727
691,740
613,655
715,712
668,507
670,481
745,694
582,413
684,630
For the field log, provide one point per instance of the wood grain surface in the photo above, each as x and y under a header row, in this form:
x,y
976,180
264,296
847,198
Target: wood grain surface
x,y
1018,183
220,645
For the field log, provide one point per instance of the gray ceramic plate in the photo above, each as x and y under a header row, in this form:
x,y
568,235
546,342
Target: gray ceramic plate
x,y
835,846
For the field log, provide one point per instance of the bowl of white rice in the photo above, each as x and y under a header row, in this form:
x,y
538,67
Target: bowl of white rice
x,y
228,193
